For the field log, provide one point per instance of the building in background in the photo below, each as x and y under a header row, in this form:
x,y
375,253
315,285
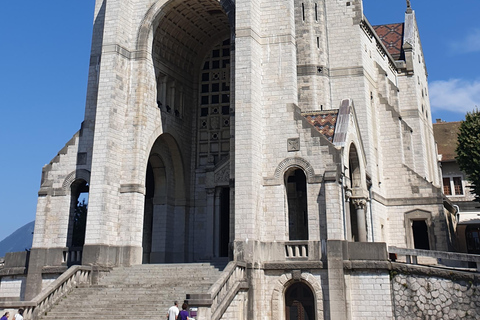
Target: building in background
x,y
456,187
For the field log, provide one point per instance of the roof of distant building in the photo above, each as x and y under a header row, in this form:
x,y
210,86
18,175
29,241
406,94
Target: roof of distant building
x,y
392,38
446,137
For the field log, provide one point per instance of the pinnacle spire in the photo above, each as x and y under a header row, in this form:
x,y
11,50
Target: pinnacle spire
x,y
409,7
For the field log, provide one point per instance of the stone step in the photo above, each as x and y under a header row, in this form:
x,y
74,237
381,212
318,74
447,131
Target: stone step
x,y
145,292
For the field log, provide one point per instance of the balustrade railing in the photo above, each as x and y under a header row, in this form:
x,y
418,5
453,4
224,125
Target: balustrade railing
x,y
224,290
51,294
296,249
440,257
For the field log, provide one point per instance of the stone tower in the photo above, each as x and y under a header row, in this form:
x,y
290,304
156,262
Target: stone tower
x,y
261,131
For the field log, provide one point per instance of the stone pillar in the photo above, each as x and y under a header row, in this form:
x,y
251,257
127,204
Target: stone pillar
x,y
360,204
336,280
209,222
348,222
216,233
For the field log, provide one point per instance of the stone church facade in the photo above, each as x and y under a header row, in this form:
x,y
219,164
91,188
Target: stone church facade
x,y
278,134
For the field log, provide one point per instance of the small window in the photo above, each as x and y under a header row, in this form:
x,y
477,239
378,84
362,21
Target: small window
x,y
447,190
453,186
457,185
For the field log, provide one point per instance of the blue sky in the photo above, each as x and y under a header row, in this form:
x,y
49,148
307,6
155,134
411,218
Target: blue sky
x,y
44,65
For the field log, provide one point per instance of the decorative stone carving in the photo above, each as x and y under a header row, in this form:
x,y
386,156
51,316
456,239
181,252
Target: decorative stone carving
x,y
223,175
293,144
359,203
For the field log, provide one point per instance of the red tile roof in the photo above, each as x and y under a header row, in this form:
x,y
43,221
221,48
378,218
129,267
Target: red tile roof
x,y
392,38
323,121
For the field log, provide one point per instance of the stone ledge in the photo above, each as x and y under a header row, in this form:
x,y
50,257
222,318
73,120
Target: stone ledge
x,y
54,269
292,265
14,271
436,272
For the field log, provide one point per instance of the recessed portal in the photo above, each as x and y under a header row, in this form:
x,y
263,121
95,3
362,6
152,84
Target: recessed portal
x,y
299,302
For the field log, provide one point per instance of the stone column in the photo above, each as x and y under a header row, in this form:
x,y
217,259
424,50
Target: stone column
x,y
216,233
209,222
348,222
360,204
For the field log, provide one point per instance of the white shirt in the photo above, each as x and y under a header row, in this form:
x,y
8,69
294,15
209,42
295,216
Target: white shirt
x,y
18,317
172,313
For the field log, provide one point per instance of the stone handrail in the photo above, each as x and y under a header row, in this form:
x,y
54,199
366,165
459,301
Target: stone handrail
x,y
52,293
214,303
224,290
412,254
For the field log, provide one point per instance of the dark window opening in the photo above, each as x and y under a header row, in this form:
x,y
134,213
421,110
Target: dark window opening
x,y
296,187
420,235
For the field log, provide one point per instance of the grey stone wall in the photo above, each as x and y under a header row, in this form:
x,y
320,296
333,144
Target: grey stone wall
x,y
427,297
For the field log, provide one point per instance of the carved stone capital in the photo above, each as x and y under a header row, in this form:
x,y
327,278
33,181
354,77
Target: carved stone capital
x,y
359,203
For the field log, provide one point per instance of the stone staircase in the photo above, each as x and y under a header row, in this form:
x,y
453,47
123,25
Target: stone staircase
x,y
136,292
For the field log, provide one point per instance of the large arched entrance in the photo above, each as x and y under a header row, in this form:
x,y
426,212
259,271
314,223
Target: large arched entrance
x,y
164,224
192,58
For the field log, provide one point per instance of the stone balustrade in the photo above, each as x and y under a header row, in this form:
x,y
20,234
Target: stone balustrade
x,y
51,294
450,259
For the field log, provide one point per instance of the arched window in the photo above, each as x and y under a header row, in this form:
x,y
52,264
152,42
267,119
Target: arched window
x,y
296,191
78,213
299,302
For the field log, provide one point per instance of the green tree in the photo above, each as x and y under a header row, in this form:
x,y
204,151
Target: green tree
x,y
79,224
468,150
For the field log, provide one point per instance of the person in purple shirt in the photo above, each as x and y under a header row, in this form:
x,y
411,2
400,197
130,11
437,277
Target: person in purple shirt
x,y
5,316
183,315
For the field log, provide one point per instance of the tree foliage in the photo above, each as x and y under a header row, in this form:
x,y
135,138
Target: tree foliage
x,y
79,224
468,150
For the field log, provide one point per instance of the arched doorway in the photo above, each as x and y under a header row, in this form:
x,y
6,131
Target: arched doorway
x,y
164,209
296,192
299,302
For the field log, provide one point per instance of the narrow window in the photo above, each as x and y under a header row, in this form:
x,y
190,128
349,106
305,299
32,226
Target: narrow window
x,y
303,12
316,12
296,191
318,42
447,190
457,184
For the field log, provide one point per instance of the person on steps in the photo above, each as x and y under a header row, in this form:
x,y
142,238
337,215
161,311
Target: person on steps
x,y
5,316
173,312
19,315
184,313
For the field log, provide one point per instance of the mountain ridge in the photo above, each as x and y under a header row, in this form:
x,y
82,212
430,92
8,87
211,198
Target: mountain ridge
x,y
20,240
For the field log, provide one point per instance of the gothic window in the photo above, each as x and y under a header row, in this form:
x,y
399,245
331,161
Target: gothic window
x,y
214,104
296,190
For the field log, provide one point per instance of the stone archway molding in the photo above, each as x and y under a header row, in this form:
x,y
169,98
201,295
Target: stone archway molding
x,y
80,174
281,285
293,162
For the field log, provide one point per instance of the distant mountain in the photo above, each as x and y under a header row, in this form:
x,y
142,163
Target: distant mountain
x,y
18,240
